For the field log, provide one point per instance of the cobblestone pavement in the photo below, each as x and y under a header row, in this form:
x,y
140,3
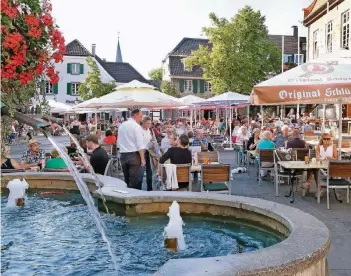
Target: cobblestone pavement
x,y
338,218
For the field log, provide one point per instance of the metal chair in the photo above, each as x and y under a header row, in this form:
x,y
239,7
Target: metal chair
x,y
301,153
215,177
337,172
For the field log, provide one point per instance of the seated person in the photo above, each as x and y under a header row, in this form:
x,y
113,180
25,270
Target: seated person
x,y
6,162
297,142
167,141
109,139
179,155
72,148
200,140
56,161
266,143
34,156
99,157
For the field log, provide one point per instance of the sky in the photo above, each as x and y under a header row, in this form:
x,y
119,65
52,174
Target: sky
x,y
149,29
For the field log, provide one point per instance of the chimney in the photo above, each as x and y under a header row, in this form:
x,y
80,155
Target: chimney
x,y
93,49
295,31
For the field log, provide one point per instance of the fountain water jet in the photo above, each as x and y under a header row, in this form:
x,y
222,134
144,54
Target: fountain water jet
x,y
17,193
173,234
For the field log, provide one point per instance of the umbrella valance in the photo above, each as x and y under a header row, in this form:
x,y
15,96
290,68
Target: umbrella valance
x,y
225,100
326,80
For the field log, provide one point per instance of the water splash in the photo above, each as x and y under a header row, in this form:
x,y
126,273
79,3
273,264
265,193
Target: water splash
x,y
88,165
17,190
83,188
174,229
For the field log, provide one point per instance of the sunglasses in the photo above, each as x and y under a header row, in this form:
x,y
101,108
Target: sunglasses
x,y
326,139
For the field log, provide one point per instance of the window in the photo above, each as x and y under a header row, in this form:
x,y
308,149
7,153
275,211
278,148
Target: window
x,y
188,86
48,88
288,59
75,68
75,87
208,86
315,45
298,59
345,29
329,36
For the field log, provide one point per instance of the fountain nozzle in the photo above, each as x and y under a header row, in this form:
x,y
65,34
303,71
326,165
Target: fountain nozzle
x,y
23,118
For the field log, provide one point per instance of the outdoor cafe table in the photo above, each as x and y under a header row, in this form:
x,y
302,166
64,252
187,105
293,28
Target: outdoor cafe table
x,y
301,165
345,150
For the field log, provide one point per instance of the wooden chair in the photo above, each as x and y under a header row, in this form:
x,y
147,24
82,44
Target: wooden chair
x,y
309,133
215,177
212,156
267,156
337,172
301,153
183,175
108,148
54,170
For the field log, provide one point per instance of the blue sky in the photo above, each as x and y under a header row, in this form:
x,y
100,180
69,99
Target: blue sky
x,y
149,29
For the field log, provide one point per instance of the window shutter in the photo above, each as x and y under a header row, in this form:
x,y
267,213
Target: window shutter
x,y
181,85
202,86
194,86
69,68
81,68
69,88
55,88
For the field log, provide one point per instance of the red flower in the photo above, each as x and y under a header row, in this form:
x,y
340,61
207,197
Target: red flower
x,y
34,32
25,77
40,69
32,20
57,57
47,19
13,41
8,9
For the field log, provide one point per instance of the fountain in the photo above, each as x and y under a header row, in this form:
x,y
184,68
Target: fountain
x,y
17,193
173,234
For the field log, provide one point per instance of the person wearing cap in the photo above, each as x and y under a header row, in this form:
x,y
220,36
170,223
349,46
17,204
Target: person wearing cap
x,y
33,156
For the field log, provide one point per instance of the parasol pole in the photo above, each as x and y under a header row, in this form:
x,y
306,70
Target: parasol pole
x,y
230,127
340,132
323,122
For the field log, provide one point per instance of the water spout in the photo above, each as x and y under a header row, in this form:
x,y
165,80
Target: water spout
x,y
23,118
173,234
53,119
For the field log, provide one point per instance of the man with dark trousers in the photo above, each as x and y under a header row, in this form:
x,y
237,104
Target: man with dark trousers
x,y
132,149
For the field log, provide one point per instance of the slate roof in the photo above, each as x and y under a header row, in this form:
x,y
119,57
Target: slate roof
x,y
75,48
186,45
121,71
177,68
290,43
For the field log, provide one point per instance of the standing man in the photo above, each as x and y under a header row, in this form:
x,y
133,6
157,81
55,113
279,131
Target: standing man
x,y
131,146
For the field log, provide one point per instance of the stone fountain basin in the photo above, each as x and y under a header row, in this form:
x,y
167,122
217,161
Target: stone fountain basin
x,y
303,252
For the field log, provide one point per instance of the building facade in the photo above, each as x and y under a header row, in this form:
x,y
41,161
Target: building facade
x,y
328,24
74,69
187,83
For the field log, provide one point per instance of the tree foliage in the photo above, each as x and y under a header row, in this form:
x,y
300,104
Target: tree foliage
x,y
93,86
240,56
170,89
156,74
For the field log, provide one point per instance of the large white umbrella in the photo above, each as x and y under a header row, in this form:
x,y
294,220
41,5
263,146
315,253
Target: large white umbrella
x,y
191,99
57,107
326,80
225,99
135,93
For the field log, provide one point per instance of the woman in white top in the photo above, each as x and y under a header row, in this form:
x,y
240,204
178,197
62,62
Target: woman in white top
x,y
243,135
325,150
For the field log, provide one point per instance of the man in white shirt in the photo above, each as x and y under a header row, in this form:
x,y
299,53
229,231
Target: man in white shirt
x,y
131,145
148,143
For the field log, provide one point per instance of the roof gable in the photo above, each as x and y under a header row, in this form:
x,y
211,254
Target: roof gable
x,y
187,45
75,48
121,71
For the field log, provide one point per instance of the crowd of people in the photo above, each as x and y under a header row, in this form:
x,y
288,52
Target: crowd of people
x,y
144,144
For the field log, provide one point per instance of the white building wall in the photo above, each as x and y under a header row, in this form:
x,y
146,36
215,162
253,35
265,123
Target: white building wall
x,y
321,25
166,73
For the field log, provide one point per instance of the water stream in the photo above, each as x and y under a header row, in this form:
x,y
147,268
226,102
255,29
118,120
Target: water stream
x,y
87,164
83,188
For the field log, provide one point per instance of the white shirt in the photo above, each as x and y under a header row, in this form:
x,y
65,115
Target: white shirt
x,y
130,137
165,143
146,138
